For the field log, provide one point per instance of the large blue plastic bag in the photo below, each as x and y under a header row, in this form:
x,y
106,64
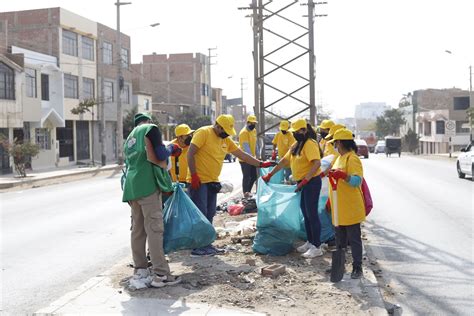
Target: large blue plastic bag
x,y
279,218
276,178
185,226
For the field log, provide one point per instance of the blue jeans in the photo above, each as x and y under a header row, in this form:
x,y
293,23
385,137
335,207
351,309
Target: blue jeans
x,y
309,207
205,199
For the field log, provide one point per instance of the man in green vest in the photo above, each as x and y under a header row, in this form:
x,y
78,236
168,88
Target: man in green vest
x,y
142,191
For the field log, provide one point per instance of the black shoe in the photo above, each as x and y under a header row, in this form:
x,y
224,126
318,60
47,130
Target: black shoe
x,y
357,273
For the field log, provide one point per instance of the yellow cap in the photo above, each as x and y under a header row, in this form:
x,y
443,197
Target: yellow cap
x,y
333,129
226,121
284,125
252,119
298,124
182,129
342,134
326,124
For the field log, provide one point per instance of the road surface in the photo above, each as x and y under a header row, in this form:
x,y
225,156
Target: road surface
x,y
421,231
55,238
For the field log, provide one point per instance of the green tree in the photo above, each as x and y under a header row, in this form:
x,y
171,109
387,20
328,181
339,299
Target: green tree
x,y
389,123
21,152
193,119
411,141
84,106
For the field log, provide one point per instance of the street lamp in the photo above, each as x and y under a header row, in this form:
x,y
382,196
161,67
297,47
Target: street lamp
x,y
120,83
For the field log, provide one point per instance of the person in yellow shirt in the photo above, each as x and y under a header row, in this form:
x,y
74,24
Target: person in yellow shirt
x,y
206,153
348,173
328,147
304,158
248,144
281,144
179,165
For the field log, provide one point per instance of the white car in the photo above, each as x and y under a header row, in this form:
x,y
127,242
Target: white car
x,y
465,162
380,147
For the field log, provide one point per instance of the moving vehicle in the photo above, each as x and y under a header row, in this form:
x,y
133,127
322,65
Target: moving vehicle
x,y
362,148
465,162
379,147
393,145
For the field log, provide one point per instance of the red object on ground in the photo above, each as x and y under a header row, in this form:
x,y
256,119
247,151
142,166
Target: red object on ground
x,y
235,209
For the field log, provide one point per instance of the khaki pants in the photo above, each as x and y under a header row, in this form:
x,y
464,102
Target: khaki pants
x,y
147,221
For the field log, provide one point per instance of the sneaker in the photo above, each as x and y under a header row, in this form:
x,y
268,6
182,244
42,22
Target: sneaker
x,y
140,274
304,247
165,280
217,251
357,273
203,252
331,244
313,252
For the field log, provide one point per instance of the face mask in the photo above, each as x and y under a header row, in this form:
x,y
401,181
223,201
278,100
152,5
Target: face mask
x,y
323,134
299,137
223,135
187,141
251,127
284,132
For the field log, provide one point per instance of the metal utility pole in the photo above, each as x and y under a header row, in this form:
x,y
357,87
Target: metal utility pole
x,y
312,60
242,91
120,83
470,104
101,103
206,112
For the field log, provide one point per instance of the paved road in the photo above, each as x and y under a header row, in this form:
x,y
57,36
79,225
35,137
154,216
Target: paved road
x,y
422,233
57,237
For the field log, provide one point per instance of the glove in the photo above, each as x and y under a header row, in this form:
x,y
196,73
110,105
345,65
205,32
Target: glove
x,y
175,150
337,174
267,177
274,155
266,164
301,185
195,181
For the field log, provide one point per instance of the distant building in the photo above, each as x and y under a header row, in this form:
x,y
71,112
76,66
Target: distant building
x,y
366,115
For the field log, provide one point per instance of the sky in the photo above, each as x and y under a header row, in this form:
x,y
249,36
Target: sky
x,y
366,50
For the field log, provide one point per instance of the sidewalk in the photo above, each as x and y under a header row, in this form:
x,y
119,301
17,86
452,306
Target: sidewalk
x,y
54,176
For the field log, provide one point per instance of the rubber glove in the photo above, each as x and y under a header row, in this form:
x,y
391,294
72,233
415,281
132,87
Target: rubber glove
x,y
175,150
266,164
267,177
274,155
301,185
338,174
195,181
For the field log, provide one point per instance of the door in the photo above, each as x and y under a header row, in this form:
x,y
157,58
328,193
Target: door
x,y
82,136
65,137
4,158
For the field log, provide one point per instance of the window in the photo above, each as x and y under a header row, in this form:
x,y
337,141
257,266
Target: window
x,y
87,88
43,138
30,77
69,43
125,94
204,90
108,91
44,87
462,127
124,57
7,82
107,53
71,87
440,127
87,48
427,129
146,104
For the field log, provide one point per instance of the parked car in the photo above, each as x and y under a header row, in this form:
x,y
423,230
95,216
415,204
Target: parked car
x,y
268,144
362,148
465,162
379,147
393,145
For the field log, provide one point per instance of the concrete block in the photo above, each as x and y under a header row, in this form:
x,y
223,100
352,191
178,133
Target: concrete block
x,y
273,270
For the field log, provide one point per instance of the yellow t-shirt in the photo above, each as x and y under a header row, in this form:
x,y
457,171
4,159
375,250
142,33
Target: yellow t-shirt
x,y
301,164
350,202
210,155
250,137
182,164
283,142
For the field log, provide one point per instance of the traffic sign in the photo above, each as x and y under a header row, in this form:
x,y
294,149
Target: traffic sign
x,y
450,128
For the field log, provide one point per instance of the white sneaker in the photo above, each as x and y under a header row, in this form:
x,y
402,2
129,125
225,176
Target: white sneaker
x,y
165,280
141,274
313,252
304,247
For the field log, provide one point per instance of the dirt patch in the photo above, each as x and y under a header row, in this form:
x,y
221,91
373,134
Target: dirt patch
x,y
229,280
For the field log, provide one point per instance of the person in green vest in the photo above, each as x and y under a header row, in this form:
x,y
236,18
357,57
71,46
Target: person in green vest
x,y
145,157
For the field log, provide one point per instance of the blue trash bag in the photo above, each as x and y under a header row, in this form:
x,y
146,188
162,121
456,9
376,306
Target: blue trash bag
x,y
327,230
276,178
279,218
185,225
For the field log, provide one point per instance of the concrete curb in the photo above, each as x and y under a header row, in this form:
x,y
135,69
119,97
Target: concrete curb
x,y
59,178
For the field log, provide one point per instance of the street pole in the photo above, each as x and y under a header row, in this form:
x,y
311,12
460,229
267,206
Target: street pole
x,y
242,91
312,105
210,87
103,148
470,104
119,87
